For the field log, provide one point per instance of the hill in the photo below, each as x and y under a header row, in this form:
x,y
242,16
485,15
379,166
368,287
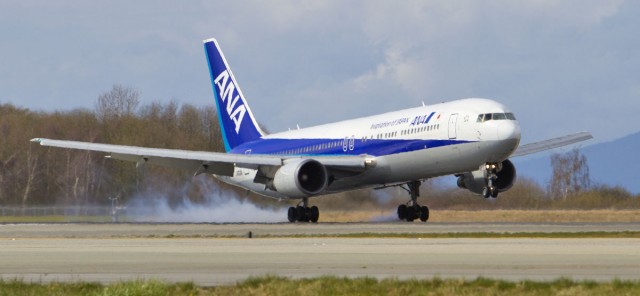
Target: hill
x,y
611,163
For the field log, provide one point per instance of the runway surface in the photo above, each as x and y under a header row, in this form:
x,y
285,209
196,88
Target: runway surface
x,y
114,252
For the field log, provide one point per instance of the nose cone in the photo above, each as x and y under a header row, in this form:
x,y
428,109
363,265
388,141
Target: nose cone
x,y
509,130
509,136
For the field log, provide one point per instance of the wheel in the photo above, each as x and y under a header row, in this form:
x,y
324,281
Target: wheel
x,y
411,214
424,214
494,193
402,212
314,214
486,193
292,215
301,214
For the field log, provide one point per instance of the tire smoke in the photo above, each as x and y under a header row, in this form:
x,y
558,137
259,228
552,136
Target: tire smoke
x,y
219,206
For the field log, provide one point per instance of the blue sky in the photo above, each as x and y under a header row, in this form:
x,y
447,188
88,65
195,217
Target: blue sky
x,y
561,66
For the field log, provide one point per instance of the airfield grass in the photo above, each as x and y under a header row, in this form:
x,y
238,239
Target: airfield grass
x,y
330,285
436,216
493,216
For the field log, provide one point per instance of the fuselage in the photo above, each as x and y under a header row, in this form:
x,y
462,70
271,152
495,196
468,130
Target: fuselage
x,y
410,144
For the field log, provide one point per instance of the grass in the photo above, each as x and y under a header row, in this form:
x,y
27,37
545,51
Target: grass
x,y
55,219
586,234
493,216
330,285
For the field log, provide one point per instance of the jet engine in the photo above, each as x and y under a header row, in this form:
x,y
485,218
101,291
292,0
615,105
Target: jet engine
x,y
476,181
301,178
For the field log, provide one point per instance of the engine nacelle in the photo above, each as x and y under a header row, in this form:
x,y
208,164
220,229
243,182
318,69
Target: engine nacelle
x,y
476,181
301,178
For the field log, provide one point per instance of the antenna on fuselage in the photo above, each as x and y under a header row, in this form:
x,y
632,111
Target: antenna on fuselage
x,y
423,104
297,126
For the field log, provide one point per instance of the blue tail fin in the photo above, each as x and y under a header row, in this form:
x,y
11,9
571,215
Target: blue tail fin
x,y
236,120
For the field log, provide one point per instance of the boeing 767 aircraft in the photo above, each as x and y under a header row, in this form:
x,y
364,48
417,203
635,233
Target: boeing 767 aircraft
x,y
472,139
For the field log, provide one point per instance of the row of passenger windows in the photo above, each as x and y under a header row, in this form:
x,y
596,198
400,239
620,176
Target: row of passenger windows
x,y
318,147
422,129
348,143
495,116
405,132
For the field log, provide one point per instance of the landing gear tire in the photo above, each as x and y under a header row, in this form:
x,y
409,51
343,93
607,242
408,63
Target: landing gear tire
x,y
303,213
424,213
486,192
490,192
402,212
412,210
411,214
314,214
292,214
494,193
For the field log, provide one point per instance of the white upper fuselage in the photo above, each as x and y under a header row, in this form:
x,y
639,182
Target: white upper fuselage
x,y
410,144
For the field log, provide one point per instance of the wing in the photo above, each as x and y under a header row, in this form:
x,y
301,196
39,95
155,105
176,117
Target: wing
x,y
551,143
204,162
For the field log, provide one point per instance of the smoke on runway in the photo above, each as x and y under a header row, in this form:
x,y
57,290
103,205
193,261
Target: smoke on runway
x,y
219,206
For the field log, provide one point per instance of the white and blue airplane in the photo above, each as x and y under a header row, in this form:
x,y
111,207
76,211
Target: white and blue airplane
x,y
472,139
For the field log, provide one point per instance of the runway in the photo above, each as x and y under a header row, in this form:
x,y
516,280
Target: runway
x,y
109,252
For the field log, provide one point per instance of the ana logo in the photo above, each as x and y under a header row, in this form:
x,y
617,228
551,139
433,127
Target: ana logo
x,y
424,119
227,90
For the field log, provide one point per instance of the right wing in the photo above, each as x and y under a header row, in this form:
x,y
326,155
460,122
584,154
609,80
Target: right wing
x,y
551,143
205,162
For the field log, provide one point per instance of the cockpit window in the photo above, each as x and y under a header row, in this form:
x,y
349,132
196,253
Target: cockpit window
x,y
495,116
499,116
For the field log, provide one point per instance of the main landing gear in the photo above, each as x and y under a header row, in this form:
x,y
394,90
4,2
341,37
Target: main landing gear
x,y
303,213
412,210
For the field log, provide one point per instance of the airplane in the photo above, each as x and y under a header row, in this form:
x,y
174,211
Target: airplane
x,y
472,139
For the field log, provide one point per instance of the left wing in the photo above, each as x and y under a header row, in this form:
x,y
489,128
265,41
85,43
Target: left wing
x,y
202,161
551,143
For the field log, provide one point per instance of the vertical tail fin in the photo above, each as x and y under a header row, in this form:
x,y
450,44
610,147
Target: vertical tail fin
x,y
236,120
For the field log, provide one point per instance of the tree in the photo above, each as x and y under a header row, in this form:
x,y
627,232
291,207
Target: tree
x,y
570,174
118,102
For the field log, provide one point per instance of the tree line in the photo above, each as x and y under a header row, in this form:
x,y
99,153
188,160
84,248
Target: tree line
x,y
35,175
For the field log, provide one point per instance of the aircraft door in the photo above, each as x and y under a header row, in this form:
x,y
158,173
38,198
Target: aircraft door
x,y
453,120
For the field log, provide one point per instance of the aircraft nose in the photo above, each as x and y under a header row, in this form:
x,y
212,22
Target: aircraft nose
x,y
509,130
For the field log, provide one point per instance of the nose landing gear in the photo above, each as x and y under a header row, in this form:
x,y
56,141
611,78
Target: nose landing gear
x,y
490,190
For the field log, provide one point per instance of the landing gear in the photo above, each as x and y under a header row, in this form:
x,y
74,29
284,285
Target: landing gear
x,y
491,190
412,210
303,213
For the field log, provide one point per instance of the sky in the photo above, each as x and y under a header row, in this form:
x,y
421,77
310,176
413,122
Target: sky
x,y
560,66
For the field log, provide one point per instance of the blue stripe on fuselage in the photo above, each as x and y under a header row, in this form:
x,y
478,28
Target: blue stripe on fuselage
x,y
374,147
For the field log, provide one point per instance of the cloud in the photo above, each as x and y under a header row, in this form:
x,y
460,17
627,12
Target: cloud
x,y
316,62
